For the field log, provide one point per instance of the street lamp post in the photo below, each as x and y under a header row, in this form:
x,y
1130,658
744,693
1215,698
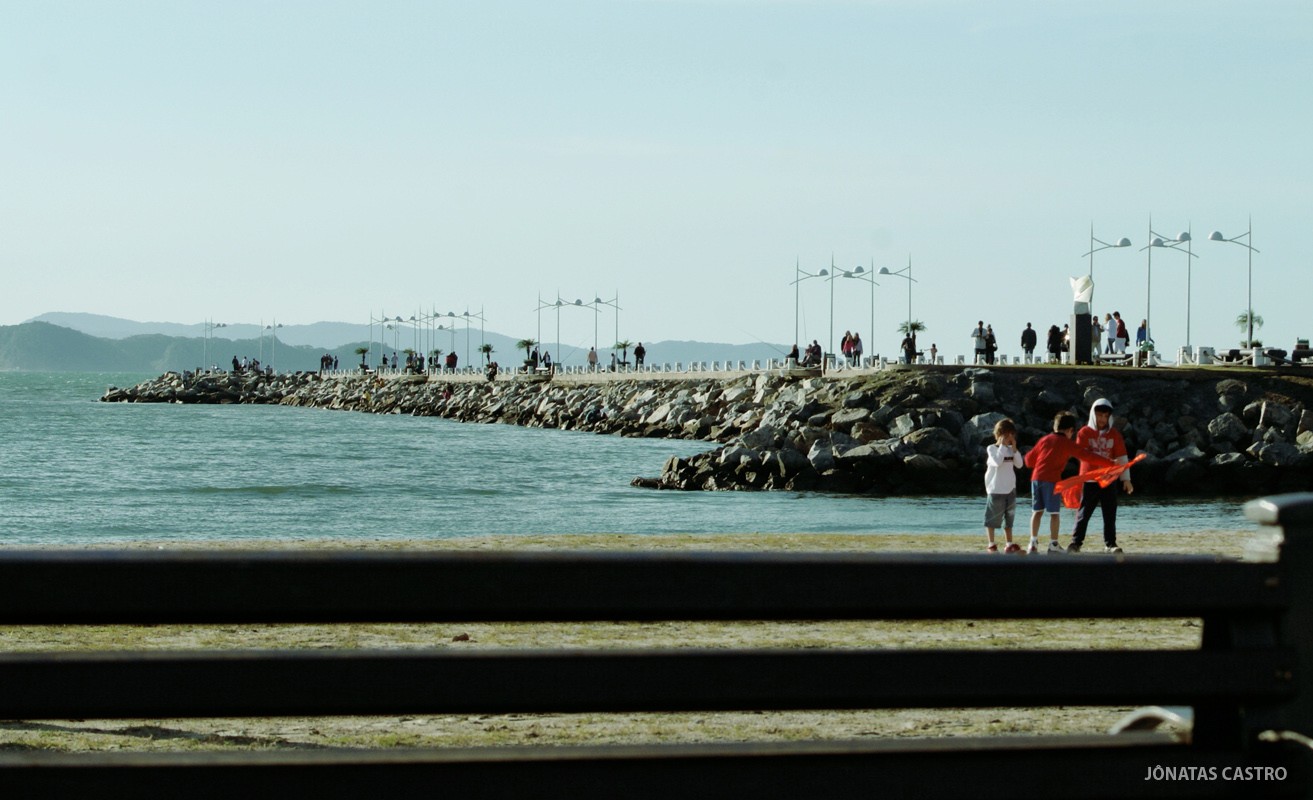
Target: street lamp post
x,y
1122,242
273,340
451,329
468,316
613,303
384,323
578,303
210,325
1182,238
860,274
1216,236
905,272
800,275
1154,241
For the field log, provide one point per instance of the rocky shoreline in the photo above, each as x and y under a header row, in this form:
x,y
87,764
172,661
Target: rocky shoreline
x,y
894,431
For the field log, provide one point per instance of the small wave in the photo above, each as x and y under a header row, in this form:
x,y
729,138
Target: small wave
x,y
296,490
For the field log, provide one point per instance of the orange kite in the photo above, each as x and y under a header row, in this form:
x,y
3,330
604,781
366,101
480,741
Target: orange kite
x,y
1104,476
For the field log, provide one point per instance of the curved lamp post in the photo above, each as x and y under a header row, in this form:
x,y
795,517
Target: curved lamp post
x,y
1122,242
210,325
384,322
451,329
558,305
614,302
273,340
1216,236
800,275
905,272
468,316
860,274
1182,239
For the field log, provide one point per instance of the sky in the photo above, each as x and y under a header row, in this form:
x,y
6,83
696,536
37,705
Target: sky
x,y
304,161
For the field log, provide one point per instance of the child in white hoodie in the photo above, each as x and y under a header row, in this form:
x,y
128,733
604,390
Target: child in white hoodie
x,y
1002,462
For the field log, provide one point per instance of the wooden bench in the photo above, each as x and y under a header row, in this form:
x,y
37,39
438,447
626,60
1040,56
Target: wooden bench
x,y
1248,684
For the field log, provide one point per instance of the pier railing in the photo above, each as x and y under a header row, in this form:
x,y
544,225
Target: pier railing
x,y
1248,684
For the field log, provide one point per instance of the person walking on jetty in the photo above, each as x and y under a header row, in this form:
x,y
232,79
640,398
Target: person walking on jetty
x,y
592,359
1096,335
1002,460
1046,461
1028,341
640,353
1110,329
1122,336
991,344
908,346
979,336
1055,344
1100,436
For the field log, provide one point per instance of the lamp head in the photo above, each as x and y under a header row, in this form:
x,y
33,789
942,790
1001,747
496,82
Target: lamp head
x,y
1216,236
859,270
1123,242
823,273
1157,241
885,271
1183,236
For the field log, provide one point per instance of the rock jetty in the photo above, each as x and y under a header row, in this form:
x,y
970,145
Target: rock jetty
x,y
895,431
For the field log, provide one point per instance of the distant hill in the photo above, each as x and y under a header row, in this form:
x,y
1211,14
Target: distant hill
x,y
47,347
319,334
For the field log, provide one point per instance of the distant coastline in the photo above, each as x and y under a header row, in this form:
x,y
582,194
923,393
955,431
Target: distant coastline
x,y
43,346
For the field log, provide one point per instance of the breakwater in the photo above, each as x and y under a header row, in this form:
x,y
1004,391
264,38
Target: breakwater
x,y
894,431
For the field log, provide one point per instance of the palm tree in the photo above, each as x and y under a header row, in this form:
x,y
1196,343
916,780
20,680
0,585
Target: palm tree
x,y
623,346
436,354
527,346
486,349
1242,322
911,328
362,351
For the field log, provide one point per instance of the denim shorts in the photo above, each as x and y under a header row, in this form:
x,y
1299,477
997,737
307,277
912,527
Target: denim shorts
x,y
1044,498
1000,510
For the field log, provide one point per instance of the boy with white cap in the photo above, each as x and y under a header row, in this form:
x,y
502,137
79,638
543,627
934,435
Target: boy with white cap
x,y
1103,438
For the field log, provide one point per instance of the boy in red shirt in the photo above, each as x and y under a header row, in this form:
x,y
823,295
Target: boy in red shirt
x,y
1101,437
1046,461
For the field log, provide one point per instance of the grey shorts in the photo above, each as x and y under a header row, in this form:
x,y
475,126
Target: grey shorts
x,y
1000,510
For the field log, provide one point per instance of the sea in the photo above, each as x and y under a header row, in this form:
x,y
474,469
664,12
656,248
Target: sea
x,y
78,472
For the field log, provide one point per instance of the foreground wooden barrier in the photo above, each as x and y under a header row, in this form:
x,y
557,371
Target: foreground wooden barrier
x,y
1248,684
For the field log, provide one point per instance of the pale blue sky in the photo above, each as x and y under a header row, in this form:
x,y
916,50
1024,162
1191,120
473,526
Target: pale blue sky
x,y
241,161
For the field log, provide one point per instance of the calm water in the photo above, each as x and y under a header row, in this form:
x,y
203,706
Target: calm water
x,y
75,471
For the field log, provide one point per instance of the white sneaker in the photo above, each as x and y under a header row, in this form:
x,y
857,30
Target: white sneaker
x,y
1032,549
1056,549
1113,549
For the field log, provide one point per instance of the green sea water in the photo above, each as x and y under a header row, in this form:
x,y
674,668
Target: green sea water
x,y
76,471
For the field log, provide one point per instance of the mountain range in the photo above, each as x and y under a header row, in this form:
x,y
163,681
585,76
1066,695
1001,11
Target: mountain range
x,y
63,342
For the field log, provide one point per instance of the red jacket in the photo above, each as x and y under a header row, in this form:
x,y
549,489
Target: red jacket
x,y
1107,443
1052,452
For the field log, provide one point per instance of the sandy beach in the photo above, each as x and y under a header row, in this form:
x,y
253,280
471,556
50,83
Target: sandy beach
x,y
448,731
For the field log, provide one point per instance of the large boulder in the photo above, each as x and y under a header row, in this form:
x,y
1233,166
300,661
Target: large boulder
x,y
978,431
1227,427
935,442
